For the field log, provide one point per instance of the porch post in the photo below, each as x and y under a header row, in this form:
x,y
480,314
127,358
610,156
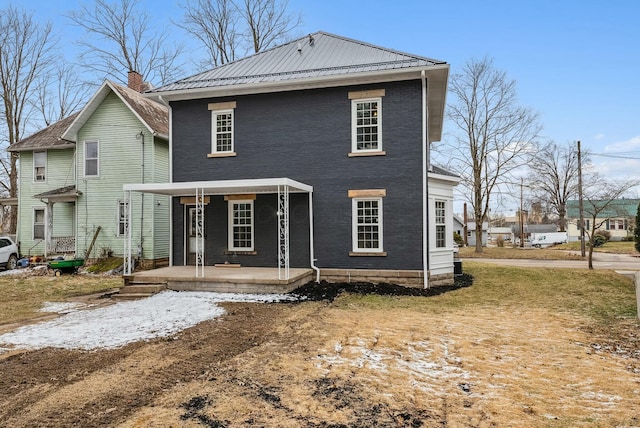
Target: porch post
x,y
127,233
49,234
283,232
200,233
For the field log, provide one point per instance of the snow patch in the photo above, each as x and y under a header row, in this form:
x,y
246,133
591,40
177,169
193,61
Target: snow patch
x,y
109,327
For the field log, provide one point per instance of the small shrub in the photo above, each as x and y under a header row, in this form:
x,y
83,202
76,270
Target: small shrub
x,y
599,241
500,241
605,234
458,239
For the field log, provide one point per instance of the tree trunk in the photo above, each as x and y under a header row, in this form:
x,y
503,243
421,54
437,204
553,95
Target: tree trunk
x,y
478,238
590,254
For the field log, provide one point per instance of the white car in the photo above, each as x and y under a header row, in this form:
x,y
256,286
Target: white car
x,y
8,253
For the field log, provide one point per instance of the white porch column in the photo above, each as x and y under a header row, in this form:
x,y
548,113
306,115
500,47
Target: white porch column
x,y
127,233
200,233
49,233
283,232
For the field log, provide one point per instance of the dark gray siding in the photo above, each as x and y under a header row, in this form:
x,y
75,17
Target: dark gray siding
x,y
306,136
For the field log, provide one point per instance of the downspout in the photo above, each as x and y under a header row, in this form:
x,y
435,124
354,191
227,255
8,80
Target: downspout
x,y
425,184
311,244
140,136
163,101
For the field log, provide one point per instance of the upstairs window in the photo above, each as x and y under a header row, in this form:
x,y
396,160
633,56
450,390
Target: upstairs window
x,y
222,129
39,166
367,125
91,158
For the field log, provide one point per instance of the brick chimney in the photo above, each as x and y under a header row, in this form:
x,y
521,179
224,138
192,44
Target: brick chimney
x,y
135,81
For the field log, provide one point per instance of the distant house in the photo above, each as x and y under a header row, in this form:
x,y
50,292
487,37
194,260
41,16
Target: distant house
x,y
471,233
495,233
618,218
72,172
312,155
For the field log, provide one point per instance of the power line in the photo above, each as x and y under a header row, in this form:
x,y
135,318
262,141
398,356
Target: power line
x,y
604,155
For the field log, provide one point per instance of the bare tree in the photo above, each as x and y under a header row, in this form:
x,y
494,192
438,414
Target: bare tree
x,y
268,22
60,93
26,51
120,39
600,200
229,29
215,24
493,133
554,177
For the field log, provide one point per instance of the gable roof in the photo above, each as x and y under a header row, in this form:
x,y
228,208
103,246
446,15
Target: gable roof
x,y
48,138
316,61
153,115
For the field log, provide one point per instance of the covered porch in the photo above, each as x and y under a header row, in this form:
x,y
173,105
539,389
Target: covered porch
x,y
197,274
56,243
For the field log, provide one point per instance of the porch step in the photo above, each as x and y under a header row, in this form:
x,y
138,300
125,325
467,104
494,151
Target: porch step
x,y
138,290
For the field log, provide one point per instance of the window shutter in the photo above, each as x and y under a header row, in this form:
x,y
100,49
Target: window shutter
x,y
607,225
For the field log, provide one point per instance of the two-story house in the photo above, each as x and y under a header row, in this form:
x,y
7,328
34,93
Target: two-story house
x,y
72,172
313,154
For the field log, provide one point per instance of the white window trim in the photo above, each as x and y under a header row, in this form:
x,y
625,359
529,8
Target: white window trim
x,y
354,226
443,223
354,127
84,159
46,157
230,245
214,132
44,223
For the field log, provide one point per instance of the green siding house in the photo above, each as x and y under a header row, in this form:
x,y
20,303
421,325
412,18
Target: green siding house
x,y
71,198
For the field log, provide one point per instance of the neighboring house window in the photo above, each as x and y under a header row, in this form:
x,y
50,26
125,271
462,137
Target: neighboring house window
x,y
367,225
366,125
615,224
90,158
38,223
39,166
441,228
241,225
122,215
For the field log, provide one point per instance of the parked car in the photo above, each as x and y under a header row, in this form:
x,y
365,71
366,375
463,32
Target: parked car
x,y
8,253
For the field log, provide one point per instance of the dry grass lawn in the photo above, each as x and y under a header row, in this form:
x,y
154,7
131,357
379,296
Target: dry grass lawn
x,y
520,348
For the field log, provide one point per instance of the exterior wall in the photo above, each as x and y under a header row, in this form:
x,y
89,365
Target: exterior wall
x,y
573,233
471,234
306,136
441,259
59,173
120,159
160,205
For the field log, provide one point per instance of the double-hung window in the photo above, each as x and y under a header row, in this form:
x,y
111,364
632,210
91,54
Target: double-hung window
x,y
366,125
241,225
222,129
38,223
91,167
39,166
367,225
441,228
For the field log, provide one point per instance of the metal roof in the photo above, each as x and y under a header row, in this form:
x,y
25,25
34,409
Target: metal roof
x,y
319,60
617,208
48,138
316,55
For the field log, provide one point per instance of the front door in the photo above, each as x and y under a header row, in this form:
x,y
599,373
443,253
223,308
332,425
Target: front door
x,y
191,230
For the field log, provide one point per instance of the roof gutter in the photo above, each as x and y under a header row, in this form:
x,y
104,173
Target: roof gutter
x,y
297,84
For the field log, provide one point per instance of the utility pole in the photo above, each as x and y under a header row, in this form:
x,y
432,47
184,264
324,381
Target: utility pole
x,y
580,205
521,219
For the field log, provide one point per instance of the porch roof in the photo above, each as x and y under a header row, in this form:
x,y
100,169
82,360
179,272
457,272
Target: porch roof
x,y
63,194
220,187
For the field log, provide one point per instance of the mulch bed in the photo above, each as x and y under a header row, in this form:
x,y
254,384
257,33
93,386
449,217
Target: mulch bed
x,y
313,291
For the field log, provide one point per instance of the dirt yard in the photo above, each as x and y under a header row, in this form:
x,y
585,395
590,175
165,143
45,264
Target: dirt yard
x,y
343,362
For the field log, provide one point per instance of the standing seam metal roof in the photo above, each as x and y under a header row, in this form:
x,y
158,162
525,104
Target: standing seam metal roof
x,y
316,55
